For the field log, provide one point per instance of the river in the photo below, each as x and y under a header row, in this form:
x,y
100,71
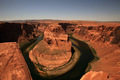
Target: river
x,y
82,55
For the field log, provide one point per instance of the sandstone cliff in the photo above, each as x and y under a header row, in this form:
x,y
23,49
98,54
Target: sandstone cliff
x,y
53,51
99,33
16,32
55,36
12,63
105,39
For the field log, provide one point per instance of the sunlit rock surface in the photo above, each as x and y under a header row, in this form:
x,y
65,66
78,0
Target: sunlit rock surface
x,y
56,38
105,39
99,33
54,50
12,63
93,75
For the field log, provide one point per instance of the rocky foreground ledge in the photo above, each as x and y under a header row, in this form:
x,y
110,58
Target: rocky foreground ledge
x,y
12,63
93,75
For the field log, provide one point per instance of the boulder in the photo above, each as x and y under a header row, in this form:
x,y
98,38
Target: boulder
x,y
93,75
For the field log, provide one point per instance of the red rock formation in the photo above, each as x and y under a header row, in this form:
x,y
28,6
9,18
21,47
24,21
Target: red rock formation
x,y
109,59
55,36
105,40
99,33
93,75
28,32
9,32
68,27
16,32
53,51
12,63
42,26
116,35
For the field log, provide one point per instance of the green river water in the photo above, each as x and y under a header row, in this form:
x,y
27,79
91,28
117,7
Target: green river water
x,y
82,55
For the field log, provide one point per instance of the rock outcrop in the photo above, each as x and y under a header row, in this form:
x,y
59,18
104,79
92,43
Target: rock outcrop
x,y
42,26
109,59
93,75
53,51
105,39
68,27
12,63
55,37
16,32
99,33
10,32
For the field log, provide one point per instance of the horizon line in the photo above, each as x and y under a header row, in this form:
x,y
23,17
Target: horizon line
x,y
15,20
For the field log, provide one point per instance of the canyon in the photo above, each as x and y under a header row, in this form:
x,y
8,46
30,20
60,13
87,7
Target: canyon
x,y
20,49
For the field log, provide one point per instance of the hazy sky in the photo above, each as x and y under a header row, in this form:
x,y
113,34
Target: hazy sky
x,y
100,10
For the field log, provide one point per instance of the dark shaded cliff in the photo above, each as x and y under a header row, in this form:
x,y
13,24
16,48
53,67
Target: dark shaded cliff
x,y
14,32
9,32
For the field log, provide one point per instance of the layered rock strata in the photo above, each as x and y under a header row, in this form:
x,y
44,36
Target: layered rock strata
x,y
55,36
99,33
106,41
53,51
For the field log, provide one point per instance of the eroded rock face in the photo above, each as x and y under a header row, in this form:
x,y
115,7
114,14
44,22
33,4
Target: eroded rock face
x,y
81,30
56,38
12,63
105,40
68,27
99,33
16,32
42,26
8,30
93,75
116,35
53,51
